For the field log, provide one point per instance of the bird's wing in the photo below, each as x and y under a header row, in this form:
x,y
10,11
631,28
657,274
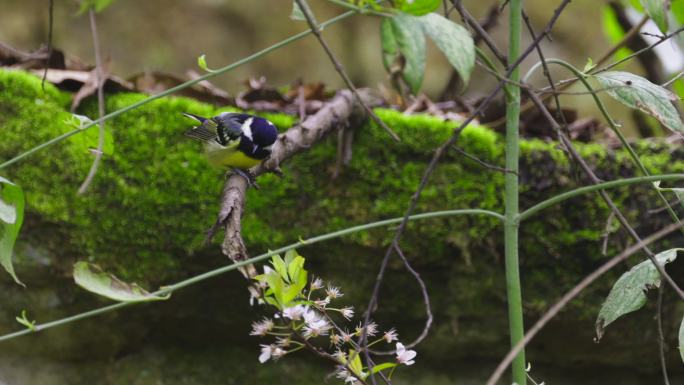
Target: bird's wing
x,y
230,125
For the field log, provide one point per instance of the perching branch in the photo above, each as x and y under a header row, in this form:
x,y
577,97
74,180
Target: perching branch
x,y
340,109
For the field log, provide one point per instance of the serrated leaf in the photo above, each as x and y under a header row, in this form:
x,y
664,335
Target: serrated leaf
x,y
93,279
453,40
403,48
638,93
681,339
629,292
657,11
417,7
297,13
12,208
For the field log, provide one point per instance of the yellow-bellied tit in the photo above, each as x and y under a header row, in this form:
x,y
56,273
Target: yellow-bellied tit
x,y
234,140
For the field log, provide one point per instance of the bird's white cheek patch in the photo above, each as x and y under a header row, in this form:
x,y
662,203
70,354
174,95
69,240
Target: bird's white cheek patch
x,y
247,128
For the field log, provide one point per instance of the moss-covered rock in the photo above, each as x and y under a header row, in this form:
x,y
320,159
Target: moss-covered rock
x,y
155,195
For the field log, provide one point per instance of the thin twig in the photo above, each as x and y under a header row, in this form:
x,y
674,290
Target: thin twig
x,y
470,20
99,79
574,292
426,298
480,161
315,28
661,337
51,22
606,233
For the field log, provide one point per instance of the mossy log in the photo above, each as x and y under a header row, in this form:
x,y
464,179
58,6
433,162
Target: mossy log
x,y
154,196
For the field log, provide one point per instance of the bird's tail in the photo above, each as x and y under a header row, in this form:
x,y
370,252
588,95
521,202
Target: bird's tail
x,y
205,132
195,117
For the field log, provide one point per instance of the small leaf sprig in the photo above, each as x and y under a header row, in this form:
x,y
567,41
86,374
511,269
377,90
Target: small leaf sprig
x,y
307,318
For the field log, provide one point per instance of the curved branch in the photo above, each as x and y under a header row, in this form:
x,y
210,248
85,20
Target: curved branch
x,y
569,296
587,189
222,270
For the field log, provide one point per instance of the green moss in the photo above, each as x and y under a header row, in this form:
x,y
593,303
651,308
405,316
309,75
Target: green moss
x,y
155,196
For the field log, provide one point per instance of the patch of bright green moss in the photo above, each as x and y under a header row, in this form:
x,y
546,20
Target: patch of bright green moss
x,y
155,196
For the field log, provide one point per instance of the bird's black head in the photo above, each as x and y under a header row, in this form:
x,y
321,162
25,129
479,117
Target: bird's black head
x,y
258,136
264,133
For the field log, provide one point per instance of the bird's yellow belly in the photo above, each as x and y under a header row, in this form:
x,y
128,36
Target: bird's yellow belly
x,y
225,158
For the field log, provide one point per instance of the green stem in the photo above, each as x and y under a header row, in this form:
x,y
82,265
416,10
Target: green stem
x,y
213,273
635,157
587,189
172,90
511,225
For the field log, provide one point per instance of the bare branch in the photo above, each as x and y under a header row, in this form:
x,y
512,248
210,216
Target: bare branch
x,y
661,337
315,28
51,24
99,80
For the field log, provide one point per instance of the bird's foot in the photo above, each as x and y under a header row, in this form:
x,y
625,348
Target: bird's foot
x,y
249,177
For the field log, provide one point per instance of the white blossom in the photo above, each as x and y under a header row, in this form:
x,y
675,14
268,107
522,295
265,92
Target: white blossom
x,y
390,335
371,329
316,328
266,351
333,292
322,303
295,312
262,327
347,312
335,339
270,351
405,356
344,374
316,284
340,356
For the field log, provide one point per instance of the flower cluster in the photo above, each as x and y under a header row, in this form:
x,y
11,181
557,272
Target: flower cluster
x,y
307,317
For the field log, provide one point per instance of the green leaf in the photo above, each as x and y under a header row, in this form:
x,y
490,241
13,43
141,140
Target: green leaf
x,y
297,13
93,279
97,5
403,49
11,219
657,11
629,292
638,93
681,339
454,41
280,267
417,7
589,65
355,364
31,325
383,366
